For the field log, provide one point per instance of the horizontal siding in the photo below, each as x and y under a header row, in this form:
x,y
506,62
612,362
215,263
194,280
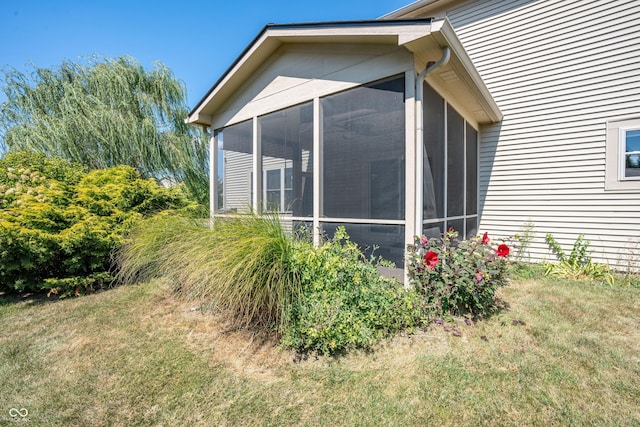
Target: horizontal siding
x,y
236,183
558,69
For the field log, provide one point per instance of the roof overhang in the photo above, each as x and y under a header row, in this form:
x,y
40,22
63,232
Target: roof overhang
x,y
420,8
416,35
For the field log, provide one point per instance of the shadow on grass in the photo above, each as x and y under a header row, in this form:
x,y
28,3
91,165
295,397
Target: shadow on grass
x,y
43,297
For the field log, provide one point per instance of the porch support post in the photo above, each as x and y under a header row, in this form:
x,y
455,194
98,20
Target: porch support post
x,y
257,168
317,170
413,174
213,174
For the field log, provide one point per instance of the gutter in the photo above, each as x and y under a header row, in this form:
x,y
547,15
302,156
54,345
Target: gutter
x,y
446,55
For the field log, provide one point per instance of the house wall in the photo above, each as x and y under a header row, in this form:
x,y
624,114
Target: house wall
x,y
298,73
558,70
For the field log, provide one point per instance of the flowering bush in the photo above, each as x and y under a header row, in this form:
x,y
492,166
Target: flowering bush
x,y
457,276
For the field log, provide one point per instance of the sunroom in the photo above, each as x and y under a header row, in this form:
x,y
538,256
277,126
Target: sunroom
x,y
370,125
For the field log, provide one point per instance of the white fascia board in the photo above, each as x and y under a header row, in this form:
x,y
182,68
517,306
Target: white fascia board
x,y
419,8
408,9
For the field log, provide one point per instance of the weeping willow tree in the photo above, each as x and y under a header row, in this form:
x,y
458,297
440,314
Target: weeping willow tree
x,y
104,113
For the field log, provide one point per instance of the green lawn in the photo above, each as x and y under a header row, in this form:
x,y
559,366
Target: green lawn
x,y
562,354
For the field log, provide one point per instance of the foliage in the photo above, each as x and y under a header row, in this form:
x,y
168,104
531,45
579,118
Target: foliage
x,y
578,265
523,240
345,303
457,276
59,224
328,299
104,113
242,266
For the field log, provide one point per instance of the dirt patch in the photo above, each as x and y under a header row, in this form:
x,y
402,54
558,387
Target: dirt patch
x,y
251,353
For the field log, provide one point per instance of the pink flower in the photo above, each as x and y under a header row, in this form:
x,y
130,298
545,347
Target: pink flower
x,y
478,277
424,240
431,260
503,250
485,238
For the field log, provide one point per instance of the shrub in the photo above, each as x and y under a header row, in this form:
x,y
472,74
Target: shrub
x,y
578,265
344,302
328,299
242,266
458,276
58,224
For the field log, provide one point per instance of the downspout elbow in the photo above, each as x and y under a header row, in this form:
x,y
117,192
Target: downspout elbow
x,y
444,59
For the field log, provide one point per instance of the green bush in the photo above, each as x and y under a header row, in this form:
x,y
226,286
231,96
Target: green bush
x,y
344,302
59,224
458,276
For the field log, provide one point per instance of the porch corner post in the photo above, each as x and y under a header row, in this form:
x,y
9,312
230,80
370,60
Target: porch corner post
x,y
317,170
412,173
213,174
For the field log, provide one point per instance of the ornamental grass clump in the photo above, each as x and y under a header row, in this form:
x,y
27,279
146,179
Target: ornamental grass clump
x,y
241,267
459,276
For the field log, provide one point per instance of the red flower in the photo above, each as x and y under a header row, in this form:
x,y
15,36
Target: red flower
x,y
503,250
431,260
485,238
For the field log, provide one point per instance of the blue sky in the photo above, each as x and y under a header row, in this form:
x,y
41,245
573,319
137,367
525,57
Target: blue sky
x,y
197,40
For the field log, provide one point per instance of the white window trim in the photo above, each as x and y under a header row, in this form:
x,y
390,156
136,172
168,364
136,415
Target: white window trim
x,y
615,179
282,206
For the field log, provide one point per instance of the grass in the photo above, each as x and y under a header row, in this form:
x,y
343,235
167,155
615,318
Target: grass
x,y
564,353
250,255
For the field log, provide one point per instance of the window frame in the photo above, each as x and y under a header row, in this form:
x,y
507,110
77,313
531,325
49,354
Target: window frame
x,y
282,189
615,152
623,154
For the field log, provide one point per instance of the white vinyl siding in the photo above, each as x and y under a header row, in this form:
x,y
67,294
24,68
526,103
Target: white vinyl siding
x,y
558,70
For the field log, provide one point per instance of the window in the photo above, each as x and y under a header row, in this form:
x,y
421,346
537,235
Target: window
x,y
234,166
278,189
363,166
623,155
363,152
273,190
630,144
286,141
450,169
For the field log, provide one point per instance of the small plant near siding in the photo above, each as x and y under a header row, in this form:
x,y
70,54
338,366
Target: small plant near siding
x,y
523,240
578,264
459,276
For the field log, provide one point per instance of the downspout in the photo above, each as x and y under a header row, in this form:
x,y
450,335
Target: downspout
x,y
431,66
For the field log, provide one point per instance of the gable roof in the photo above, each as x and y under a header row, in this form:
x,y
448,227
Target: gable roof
x,y
416,35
